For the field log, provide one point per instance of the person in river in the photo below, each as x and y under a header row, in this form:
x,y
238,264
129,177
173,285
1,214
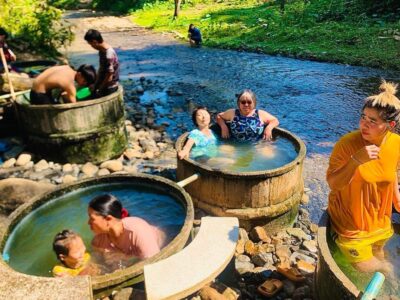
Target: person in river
x,y
108,73
61,78
116,232
203,136
246,122
71,252
194,36
364,185
8,54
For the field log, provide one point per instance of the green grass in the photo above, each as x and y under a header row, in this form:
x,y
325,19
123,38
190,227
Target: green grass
x,y
303,30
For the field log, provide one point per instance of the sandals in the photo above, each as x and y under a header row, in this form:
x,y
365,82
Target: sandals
x,y
270,287
292,274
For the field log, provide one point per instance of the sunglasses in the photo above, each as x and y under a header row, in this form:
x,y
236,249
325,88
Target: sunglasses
x,y
246,102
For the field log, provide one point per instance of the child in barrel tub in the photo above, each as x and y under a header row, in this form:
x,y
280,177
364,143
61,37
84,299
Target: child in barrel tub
x,y
71,252
202,136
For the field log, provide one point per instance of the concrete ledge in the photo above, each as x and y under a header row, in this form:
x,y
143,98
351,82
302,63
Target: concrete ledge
x,y
16,286
196,265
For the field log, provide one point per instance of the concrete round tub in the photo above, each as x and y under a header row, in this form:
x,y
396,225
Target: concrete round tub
x,y
92,130
262,198
102,284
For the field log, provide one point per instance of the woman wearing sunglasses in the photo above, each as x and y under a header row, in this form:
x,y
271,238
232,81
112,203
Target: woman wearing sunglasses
x,y
363,181
246,122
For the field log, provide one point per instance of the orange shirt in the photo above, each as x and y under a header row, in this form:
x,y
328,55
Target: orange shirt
x,y
363,208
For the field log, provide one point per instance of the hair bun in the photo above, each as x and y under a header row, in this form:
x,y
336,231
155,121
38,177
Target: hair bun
x,y
388,87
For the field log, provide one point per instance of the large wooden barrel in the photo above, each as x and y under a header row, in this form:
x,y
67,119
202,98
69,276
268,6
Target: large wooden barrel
x,y
92,130
267,198
330,282
104,284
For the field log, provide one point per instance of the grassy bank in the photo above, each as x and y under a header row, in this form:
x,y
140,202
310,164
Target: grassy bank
x,y
304,30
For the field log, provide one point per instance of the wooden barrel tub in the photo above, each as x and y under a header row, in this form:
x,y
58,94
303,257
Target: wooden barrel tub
x,y
92,130
267,198
104,284
330,282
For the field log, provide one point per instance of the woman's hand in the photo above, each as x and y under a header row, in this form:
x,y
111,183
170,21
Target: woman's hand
x,y
366,154
183,153
224,131
267,134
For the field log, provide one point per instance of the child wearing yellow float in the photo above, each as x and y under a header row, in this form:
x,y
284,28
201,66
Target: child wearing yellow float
x,y
71,252
363,181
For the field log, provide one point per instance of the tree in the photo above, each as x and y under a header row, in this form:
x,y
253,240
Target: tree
x,y
177,8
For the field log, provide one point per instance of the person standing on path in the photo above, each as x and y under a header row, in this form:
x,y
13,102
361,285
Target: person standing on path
x,y
108,72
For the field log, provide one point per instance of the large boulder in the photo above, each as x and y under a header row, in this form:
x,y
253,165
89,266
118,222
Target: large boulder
x,y
17,191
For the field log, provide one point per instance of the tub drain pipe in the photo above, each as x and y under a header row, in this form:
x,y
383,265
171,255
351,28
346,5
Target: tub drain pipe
x,y
188,180
374,286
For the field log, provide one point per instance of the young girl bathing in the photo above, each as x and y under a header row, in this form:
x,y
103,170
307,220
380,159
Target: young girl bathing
x,y
202,136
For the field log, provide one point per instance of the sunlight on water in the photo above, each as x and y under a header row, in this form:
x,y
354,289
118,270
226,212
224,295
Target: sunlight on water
x,y
361,280
246,157
29,247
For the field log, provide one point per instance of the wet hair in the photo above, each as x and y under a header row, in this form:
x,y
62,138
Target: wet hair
x,y
108,205
194,113
88,72
93,35
3,32
247,93
386,103
62,240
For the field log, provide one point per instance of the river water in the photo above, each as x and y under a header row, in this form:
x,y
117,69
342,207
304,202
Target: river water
x,y
319,102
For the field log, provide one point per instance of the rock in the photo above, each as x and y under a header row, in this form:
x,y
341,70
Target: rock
x,y
139,90
305,199
305,267
230,294
148,155
301,293
41,165
243,258
243,234
28,165
130,169
240,247
249,247
67,168
289,287
112,165
299,256
297,232
269,248
23,159
41,175
129,293
209,293
243,267
310,246
260,234
69,179
262,259
132,154
283,253
9,163
103,172
16,191
148,144
89,169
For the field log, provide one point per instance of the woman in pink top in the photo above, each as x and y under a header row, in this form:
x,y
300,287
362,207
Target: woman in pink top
x,y
116,232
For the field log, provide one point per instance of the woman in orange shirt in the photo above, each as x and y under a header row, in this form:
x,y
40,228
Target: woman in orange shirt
x,y
362,175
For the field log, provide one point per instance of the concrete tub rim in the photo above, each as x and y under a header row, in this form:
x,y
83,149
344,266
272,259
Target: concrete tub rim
x,y
253,174
118,276
323,250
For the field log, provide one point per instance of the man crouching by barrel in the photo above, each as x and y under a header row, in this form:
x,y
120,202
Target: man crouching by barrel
x,y
61,78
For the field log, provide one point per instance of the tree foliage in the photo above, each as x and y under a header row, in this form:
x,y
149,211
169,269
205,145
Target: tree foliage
x,y
35,22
